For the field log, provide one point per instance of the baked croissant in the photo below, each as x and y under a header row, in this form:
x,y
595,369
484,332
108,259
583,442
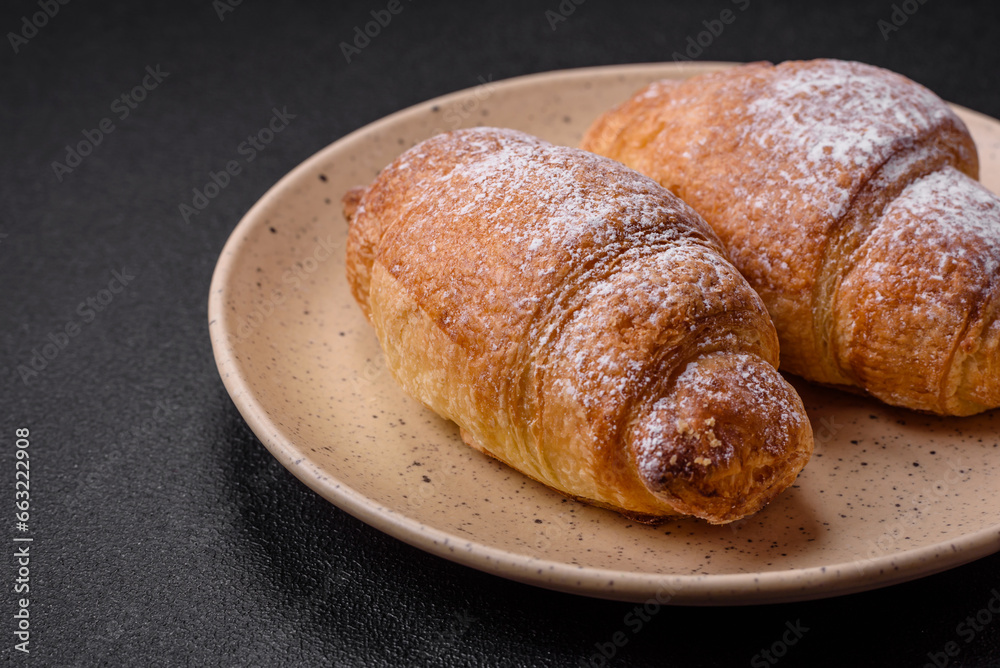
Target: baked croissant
x,y
578,322
846,195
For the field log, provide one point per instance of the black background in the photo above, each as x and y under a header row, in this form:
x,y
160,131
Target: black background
x,y
164,533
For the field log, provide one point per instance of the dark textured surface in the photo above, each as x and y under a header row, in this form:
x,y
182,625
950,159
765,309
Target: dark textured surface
x,y
164,533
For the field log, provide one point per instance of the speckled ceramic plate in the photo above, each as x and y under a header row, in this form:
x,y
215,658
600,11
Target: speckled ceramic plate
x,y
889,496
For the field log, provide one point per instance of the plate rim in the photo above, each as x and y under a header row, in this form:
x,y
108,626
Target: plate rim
x,y
778,586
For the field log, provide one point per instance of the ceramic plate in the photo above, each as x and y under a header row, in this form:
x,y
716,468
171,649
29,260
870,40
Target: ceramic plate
x,y
890,495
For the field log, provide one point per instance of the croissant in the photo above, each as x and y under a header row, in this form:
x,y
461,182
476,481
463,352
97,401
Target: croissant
x,y
847,196
578,322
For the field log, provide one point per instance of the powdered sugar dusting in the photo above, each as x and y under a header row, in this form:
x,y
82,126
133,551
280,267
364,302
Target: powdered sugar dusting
x,y
674,290
756,385
560,208
836,122
546,213
958,221
953,206
791,165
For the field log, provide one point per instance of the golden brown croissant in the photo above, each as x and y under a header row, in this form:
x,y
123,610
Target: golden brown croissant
x,y
846,194
578,322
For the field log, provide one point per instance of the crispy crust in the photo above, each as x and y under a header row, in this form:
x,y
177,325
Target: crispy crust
x,y
579,323
828,182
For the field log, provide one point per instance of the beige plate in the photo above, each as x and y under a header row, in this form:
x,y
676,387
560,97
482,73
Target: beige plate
x,y
889,496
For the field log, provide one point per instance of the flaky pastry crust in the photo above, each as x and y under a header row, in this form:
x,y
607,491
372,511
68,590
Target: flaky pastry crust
x,y
846,194
578,322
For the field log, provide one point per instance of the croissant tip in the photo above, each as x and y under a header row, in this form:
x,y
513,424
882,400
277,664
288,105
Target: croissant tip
x,y
714,447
